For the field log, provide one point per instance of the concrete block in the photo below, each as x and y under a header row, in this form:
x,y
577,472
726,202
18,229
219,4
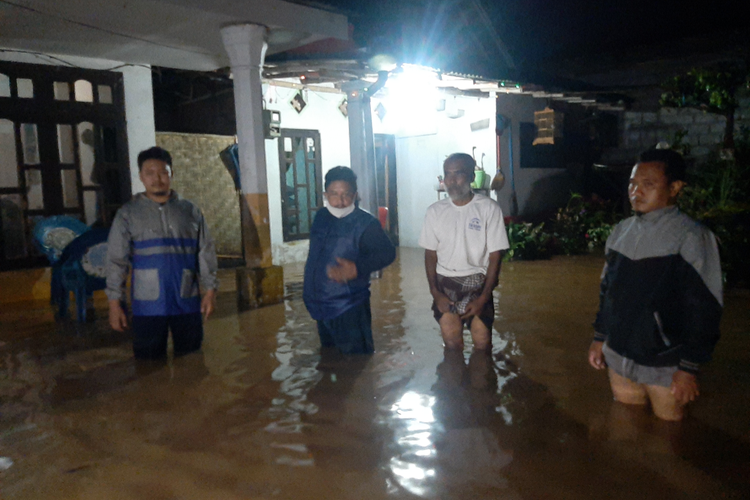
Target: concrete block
x,y
633,118
633,138
718,128
702,129
259,286
709,140
670,116
700,151
704,117
649,118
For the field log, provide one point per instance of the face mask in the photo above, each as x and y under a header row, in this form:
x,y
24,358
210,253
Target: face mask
x,y
341,212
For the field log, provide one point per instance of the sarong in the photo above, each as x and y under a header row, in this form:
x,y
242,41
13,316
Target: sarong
x,y
461,290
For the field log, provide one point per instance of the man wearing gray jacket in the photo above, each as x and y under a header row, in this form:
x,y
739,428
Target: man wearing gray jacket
x,y
165,240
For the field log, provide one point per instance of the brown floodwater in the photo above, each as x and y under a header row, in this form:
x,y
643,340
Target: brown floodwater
x,y
261,413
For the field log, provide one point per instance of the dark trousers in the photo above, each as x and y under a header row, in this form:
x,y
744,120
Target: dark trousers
x,y
351,332
150,335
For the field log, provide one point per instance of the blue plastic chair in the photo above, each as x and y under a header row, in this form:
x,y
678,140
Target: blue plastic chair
x,y
81,270
53,234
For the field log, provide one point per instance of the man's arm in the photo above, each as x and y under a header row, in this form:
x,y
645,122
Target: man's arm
x,y
118,264
375,252
703,302
430,265
207,266
475,307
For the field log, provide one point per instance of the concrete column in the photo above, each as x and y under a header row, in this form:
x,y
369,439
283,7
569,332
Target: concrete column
x,y
260,282
362,144
246,46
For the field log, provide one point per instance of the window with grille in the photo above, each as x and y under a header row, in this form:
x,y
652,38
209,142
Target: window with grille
x,y
301,181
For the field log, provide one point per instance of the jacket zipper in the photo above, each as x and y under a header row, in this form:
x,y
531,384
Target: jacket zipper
x,y
661,329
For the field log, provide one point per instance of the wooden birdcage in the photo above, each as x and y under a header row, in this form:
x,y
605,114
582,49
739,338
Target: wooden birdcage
x,y
548,126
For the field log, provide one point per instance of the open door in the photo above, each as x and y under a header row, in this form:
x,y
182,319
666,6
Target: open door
x,y
385,165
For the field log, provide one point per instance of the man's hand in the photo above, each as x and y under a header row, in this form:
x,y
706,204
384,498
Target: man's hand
x,y
684,387
474,307
443,303
344,271
596,356
118,320
208,303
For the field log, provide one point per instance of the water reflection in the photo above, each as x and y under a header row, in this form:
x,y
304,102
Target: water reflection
x,y
263,413
444,441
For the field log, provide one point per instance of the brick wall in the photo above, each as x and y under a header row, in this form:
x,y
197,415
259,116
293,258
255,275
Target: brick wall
x,y
641,130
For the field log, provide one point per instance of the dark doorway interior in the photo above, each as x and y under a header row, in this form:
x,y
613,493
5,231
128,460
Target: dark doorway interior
x,y
385,164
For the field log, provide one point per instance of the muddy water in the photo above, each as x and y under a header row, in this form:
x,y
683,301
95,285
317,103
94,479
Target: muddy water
x,y
262,413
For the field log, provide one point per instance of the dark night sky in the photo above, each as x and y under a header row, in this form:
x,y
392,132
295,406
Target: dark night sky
x,y
451,34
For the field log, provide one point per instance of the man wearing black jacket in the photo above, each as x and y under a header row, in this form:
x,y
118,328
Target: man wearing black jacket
x,y
661,294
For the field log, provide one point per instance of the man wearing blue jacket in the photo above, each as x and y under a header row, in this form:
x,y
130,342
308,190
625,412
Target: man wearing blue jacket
x,y
165,240
346,245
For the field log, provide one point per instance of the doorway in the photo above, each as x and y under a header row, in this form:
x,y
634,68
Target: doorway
x,y
385,171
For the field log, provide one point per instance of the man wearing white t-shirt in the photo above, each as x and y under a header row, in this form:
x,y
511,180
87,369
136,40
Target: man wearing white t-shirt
x,y
463,237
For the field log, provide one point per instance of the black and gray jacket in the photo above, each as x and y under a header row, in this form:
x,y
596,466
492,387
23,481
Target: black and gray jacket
x,y
661,291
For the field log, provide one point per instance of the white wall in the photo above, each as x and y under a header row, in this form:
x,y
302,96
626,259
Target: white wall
x,y
321,114
139,99
424,138
537,189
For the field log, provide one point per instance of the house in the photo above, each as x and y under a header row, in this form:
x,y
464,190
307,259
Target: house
x,y
76,99
76,85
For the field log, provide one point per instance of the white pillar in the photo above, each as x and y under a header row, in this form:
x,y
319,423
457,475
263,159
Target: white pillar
x,y
362,144
246,46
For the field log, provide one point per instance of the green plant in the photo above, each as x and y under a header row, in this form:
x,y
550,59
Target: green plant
x,y
583,224
716,196
527,242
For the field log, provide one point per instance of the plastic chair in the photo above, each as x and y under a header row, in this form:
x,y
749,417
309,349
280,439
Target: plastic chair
x,y
53,234
81,270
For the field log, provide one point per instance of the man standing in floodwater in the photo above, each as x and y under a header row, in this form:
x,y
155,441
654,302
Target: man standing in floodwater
x,y
346,245
661,294
463,237
165,239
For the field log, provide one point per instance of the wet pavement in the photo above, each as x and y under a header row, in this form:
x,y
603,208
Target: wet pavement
x,y
262,413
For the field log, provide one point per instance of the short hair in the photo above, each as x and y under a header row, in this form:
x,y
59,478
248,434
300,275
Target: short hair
x,y
466,161
154,153
345,174
675,168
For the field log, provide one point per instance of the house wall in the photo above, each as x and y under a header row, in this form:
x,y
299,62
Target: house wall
x,y
139,102
538,190
321,114
425,136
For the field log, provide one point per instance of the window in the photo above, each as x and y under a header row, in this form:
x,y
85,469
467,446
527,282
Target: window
x,y
301,181
63,151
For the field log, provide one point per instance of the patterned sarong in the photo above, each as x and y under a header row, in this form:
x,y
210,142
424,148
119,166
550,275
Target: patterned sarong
x,y
461,290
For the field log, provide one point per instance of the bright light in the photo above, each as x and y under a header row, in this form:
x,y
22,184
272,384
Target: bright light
x,y
411,99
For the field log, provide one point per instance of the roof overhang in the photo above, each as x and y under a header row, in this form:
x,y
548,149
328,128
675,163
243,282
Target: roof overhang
x,y
183,34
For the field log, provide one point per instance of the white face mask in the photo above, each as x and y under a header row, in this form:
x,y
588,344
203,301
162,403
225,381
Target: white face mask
x,y
341,212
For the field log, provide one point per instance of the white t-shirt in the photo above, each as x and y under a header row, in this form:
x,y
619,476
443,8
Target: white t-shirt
x,y
464,236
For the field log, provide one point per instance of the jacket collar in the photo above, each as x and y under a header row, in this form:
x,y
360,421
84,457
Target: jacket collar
x,y
173,196
657,215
